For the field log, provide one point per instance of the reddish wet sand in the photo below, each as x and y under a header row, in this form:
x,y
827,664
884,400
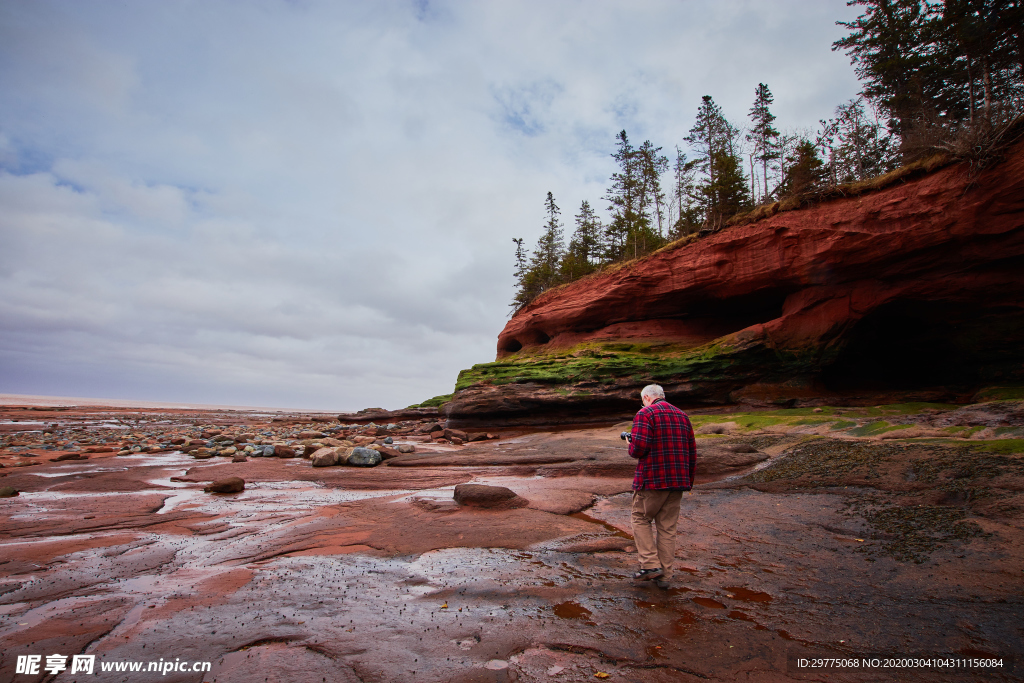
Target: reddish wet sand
x,y
348,574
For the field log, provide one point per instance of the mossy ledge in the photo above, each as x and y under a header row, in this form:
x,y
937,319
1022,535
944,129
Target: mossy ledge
x,y
599,382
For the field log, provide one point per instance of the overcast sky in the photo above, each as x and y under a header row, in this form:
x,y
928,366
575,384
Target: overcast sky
x,y
311,204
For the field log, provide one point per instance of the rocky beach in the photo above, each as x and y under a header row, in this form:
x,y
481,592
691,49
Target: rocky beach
x,y
802,224
812,532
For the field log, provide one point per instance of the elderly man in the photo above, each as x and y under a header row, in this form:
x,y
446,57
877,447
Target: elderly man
x,y
662,443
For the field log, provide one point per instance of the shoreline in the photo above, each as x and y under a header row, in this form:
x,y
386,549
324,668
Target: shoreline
x,y
43,401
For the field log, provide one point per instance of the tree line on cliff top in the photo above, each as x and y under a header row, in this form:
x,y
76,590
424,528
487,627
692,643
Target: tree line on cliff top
x,y
938,76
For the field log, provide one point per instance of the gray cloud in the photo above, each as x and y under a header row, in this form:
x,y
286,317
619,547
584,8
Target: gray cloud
x,y
312,204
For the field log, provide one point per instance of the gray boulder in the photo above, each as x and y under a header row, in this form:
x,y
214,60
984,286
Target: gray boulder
x,y
364,457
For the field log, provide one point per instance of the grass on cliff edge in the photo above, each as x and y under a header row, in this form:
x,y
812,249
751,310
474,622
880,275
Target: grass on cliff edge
x,y
435,402
607,362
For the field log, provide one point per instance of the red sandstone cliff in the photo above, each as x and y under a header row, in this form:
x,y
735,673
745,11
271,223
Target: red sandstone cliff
x,y
803,276
917,285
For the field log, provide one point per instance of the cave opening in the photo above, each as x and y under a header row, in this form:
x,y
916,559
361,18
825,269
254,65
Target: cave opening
x,y
719,317
911,345
511,346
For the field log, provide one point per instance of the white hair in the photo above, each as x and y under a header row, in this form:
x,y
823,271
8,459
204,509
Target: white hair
x,y
653,391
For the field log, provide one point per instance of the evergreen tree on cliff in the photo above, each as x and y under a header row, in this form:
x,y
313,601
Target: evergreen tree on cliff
x,y
648,234
805,171
623,199
723,189
857,146
685,202
524,290
636,201
934,66
652,198
584,252
544,269
885,47
547,256
763,135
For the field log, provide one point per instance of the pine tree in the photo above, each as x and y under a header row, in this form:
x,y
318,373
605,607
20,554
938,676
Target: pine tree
x,y
624,199
547,256
885,45
647,234
729,195
764,137
939,65
543,271
724,188
584,250
856,146
804,170
652,198
525,286
685,202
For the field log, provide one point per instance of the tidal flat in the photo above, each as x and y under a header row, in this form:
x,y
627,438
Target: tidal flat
x,y
811,533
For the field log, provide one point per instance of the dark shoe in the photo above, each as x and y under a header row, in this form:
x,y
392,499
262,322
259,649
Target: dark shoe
x,y
648,574
662,584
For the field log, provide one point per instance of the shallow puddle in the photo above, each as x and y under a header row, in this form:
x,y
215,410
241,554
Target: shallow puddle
x,y
571,610
614,529
747,595
708,602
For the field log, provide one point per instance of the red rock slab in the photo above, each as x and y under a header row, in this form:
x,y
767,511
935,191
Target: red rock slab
x,y
65,631
356,478
207,592
321,539
42,552
561,495
394,528
20,518
281,663
488,460
411,530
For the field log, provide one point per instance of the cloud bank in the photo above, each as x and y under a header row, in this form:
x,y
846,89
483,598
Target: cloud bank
x,y
311,204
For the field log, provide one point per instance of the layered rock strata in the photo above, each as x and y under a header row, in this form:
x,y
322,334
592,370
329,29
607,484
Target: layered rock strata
x,y
916,290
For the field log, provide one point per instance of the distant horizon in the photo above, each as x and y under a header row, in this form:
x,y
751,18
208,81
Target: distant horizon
x,y
74,401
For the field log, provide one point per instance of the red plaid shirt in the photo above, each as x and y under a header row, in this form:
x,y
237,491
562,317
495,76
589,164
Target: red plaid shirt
x,y
663,445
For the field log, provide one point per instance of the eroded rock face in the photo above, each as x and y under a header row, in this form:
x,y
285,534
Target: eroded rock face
x,y
915,288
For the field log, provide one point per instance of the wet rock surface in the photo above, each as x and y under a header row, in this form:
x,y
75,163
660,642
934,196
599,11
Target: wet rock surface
x,y
801,538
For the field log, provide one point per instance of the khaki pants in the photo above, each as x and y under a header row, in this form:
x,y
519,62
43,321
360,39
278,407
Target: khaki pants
x,y
662,508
